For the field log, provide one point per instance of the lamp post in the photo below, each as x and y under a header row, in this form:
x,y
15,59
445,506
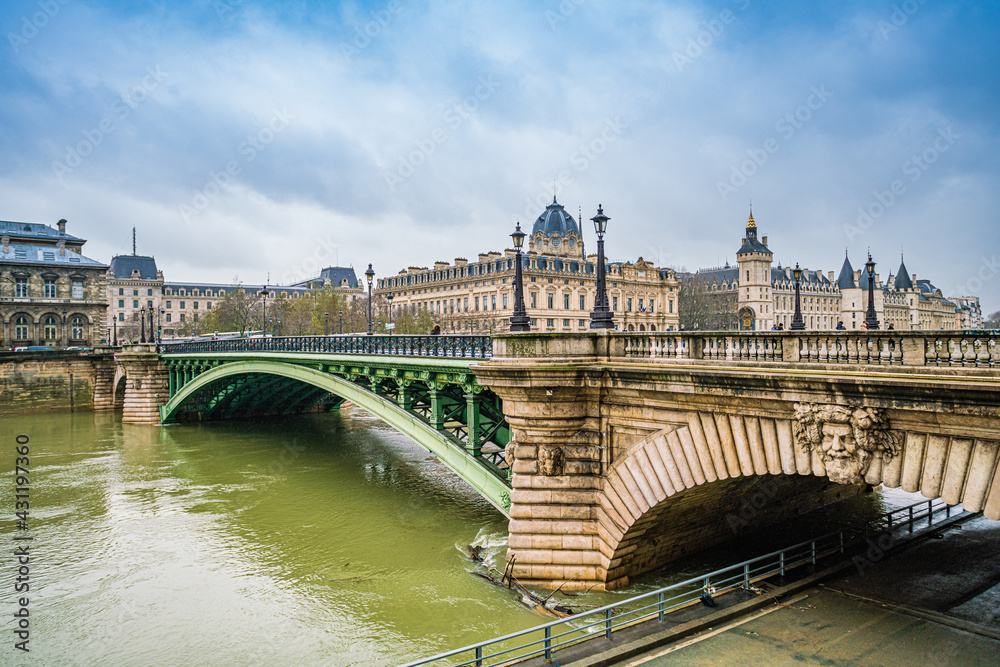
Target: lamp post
x,y
159,327
270,325
326,323
388,297
263,315
340,314
797,323
142,325
65,335
370,274
601,318
871,320
114,341
279,327
519,320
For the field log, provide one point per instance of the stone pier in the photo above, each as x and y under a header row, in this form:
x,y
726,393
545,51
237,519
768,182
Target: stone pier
x,y
146,384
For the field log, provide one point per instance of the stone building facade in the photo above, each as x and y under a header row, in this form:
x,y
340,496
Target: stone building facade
x,y
136,286
766,294
50,294
559,286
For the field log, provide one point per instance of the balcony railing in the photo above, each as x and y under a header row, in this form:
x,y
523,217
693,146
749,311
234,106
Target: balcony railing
x,y
461,347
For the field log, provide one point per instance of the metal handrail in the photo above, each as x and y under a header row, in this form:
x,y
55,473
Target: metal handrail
x,y
684,593
461,347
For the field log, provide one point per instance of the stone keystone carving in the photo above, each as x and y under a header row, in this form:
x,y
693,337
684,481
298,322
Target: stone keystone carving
x,y
550,460
847,438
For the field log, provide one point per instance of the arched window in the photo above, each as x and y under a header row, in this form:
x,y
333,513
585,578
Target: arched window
x,y
76,328
21,328
49,328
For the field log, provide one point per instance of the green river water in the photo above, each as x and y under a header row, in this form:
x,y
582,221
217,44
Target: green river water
x,y
319,539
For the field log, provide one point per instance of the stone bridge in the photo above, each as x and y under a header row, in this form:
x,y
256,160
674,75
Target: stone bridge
x,y
613,453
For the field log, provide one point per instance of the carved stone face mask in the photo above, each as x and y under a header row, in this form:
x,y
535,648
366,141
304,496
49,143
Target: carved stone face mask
x,y
845,461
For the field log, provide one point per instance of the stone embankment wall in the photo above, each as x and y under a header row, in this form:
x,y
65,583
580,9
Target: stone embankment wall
x,y
59,380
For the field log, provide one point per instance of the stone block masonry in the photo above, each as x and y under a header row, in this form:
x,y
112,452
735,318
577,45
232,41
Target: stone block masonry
x,y
60,380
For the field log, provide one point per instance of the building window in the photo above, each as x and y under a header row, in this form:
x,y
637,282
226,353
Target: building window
x,y
671,306
21,328
121,317
135,292
534,299
581,323
121,303
76,328
628,305
49,328
565,324
477,303
641,307
614,303
550,299
149,292
77,289
168,317
505,302
583,302
182,317
565,301
550,323
182,308
135,303
149,304
168,305
208,305
121,291
194,304
50,288
493,302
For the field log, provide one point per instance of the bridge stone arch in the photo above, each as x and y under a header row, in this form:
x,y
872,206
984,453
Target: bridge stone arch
x,y
721,463
252,381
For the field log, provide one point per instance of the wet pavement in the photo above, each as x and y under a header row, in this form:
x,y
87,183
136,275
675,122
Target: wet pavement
x,y
934,601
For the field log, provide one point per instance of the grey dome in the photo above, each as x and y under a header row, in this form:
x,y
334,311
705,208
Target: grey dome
x,y
555,220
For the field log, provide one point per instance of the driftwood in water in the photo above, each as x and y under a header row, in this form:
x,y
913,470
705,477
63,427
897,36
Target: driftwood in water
x,y
527,598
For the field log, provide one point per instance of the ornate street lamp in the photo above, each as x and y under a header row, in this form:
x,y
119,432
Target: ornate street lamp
x,y
370,274
326,323
114,341
871,320
797,323
263,315
142,325
270,325
159,327
279,327
388,297
340,314
519,321
601,318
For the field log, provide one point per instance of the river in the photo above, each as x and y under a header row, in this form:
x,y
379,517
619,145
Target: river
x,y
317,539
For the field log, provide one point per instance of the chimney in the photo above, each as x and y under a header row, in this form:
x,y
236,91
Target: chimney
x,y
62,247
914,280
763,240
6,243
830,275
62,226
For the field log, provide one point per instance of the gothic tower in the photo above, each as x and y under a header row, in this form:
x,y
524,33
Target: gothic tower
x,y
756,309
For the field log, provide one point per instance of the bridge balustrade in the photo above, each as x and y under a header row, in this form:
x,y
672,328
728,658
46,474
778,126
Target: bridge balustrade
x,y
463,347
873,348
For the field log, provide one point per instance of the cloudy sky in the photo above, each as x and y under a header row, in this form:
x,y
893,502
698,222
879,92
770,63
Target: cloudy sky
x,y
244,137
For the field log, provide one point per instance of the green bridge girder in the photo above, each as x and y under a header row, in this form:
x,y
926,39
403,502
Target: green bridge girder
x,y
436,402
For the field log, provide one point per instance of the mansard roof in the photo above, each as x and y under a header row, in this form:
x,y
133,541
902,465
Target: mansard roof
x,y
36,230
124,265
19,253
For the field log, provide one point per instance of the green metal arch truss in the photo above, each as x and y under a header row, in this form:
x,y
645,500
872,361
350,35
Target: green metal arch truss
x,y
437,442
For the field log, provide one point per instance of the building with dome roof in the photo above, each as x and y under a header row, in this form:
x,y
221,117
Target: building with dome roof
x,y
560,284
765,295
